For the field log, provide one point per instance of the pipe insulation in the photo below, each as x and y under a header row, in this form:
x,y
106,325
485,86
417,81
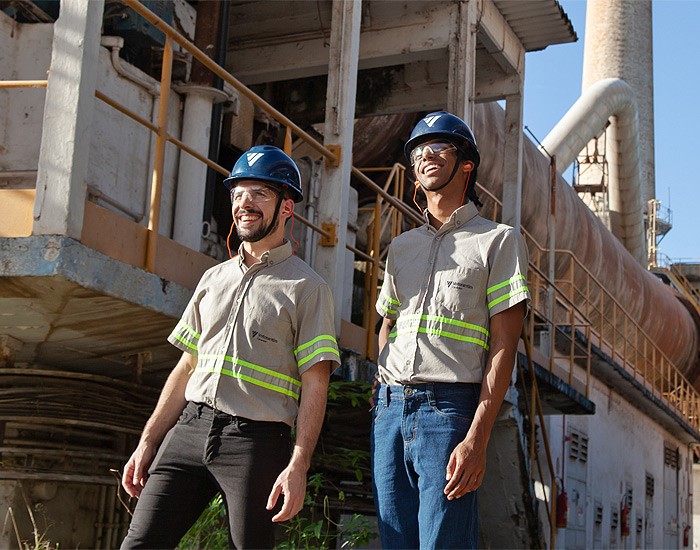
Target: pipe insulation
x,y
651,303
586,120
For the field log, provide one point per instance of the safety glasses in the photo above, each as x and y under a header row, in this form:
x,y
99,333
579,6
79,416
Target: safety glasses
x,y
434,148
255,194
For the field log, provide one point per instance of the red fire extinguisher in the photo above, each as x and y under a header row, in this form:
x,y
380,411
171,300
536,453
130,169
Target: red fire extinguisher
x,y
686,536
625,521
562,508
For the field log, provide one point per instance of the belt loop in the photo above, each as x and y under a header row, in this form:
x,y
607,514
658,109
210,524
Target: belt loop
x,y
430,392
384,394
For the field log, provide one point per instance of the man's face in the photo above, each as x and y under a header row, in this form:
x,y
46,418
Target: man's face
x,y
433,163
253,206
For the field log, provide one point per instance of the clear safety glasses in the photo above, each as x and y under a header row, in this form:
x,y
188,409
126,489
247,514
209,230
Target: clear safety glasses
x,y
255,194
434,148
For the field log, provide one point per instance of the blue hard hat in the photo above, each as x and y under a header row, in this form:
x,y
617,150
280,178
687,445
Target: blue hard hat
x,y
444,125
270,165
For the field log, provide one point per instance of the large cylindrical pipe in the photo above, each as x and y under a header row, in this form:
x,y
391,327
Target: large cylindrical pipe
x,y
648,301
618,44
604,99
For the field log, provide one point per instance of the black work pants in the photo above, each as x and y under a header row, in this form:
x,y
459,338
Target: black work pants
x,y
206,452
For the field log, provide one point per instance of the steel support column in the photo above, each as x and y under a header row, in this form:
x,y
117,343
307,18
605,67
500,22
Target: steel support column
x,y
513,160
67,127
192,174
330,261
462,69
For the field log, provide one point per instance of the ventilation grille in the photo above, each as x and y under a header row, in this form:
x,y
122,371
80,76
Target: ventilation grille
x,y
578,447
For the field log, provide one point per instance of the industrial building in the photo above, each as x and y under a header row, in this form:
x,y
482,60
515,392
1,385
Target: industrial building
x,y
119,120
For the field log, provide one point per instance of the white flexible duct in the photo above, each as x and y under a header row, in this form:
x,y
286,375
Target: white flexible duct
x,y
607,98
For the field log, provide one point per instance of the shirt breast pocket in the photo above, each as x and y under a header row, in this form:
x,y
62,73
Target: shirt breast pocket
x,y
460,288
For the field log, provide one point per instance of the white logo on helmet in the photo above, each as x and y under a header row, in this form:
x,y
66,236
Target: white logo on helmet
x,y
253,158
430,120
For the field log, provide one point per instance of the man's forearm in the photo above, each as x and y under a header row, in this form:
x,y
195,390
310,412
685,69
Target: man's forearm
x,y
505,333
170,403
384,331
312,409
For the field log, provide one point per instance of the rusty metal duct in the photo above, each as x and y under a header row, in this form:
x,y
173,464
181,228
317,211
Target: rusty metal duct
x,y
659,313
583,122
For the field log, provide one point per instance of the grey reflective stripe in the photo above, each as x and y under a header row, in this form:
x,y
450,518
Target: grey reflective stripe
x,y
515,284
325,343
252,373
441,326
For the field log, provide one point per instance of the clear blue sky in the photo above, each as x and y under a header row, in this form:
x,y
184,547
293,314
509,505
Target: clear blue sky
x,y
553,84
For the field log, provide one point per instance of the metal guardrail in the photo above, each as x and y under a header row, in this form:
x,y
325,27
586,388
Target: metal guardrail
x,y
385,199
583,304
591,307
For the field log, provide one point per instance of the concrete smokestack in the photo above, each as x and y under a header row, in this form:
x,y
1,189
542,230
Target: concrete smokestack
x,y
618,44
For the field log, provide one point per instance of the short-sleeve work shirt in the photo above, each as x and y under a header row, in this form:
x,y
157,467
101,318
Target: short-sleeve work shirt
x,y
255,331
442,287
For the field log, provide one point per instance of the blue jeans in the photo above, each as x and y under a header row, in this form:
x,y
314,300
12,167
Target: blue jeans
x,y
415,430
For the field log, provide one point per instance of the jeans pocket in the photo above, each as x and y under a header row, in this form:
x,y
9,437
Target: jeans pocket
x,y
453,408
379,409
186,417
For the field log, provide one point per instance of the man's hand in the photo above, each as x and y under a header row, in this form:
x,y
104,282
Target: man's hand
x,y
136,470
292,481
467,464
169,407
465,469
292,484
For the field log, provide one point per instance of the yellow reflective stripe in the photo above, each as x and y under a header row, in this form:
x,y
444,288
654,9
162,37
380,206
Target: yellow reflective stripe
x,y
263,370
254,367
390,300
255,381
188,329
312,342
187,343
444,333
316,352
506,296
447,320
513,279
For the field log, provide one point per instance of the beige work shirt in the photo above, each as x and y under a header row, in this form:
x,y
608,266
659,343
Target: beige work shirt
x,y
442,287
255,331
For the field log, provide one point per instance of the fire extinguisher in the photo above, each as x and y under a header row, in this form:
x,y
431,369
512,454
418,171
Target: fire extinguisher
x,y
562,508
625,521
686,536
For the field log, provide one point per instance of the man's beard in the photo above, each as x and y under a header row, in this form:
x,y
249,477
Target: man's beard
x,y
254,235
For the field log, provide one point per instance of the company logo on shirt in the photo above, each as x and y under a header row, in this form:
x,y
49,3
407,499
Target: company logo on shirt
x,y
262,338
458,285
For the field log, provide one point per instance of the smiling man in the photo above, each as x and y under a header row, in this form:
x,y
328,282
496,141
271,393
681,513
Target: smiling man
x,y
453,300
258,342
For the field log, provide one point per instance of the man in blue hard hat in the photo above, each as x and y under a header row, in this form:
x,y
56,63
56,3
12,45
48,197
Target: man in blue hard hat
x,y
258,347
453,300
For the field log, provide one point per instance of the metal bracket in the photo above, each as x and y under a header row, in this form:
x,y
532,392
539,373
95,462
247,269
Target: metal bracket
x,y
330,229
336,150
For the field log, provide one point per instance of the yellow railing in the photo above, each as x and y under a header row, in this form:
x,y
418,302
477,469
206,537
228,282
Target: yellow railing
x,y
583,306
331,153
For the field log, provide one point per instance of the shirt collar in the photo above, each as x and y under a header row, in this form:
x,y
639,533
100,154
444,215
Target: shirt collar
x,y
271,257
462,215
